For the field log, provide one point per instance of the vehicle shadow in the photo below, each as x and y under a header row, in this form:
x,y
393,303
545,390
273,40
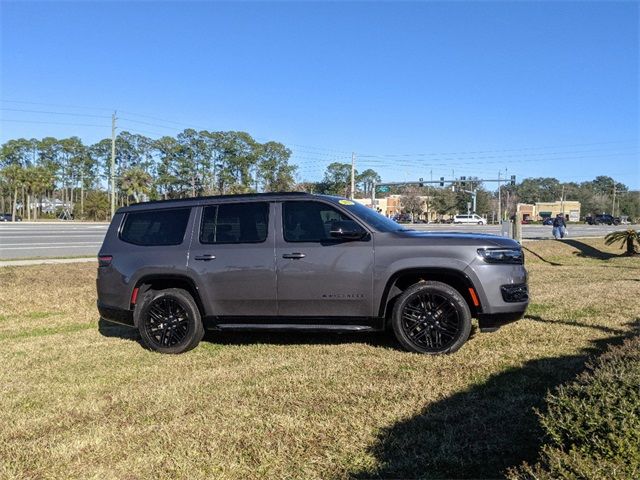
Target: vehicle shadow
x,y
541,257
602,328
587,251
481,432
384,339
374,339
110,329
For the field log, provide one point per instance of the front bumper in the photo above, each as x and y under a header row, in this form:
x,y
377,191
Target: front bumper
x,y
116,315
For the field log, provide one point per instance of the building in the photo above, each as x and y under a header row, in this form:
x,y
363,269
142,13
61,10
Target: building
x,y
541,210
391,206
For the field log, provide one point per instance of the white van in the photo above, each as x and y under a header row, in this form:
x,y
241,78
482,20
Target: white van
x,y
473,218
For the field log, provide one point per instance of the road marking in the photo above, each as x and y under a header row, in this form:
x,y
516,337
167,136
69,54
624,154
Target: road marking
x,y
51,236
51,246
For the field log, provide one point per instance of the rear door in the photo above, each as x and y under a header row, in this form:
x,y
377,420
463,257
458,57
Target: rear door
x,y
318,276
232,256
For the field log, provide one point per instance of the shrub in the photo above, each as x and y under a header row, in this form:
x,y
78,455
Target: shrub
x,y
593,424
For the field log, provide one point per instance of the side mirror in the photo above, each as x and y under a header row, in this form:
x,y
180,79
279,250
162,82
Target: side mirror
x,y
347,230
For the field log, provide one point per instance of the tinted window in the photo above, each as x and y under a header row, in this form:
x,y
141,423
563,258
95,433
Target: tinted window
x,y
235,223
310,221
373,218
156,227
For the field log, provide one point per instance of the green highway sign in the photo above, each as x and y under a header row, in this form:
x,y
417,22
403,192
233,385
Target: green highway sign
x,y
383,189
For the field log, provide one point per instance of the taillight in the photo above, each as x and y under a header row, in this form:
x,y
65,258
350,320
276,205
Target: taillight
x,y
104,260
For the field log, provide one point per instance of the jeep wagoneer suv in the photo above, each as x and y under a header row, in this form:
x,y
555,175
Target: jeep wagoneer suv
x,y
295,261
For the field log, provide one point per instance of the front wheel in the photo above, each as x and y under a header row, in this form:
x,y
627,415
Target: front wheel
x,y
431,317
169,321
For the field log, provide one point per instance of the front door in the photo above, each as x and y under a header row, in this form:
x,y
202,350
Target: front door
x,y
232,257
319,276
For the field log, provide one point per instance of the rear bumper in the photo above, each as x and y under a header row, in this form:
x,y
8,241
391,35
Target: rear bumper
x,y
116,315
490,322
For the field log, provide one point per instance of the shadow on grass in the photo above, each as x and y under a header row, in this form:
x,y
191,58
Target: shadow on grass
x,y
481,432
109,329
602,328
384,339
587,251
541,258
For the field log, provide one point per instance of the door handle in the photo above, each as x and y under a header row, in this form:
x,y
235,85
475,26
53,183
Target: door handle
x,y
205,257
295,255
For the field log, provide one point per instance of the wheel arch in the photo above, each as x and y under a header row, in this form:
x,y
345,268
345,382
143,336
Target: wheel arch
x,y
165,281
403,279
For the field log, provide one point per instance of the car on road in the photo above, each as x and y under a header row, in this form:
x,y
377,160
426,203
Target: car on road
x,y
7,217
296,261
603,219
473,218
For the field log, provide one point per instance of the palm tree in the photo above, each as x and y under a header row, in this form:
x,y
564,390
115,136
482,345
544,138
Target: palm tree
x,y
629,237
135,182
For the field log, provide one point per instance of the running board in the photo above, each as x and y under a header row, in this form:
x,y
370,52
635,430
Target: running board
x,y
293,327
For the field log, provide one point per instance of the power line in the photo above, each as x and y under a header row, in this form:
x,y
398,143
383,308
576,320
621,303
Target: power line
x,y
53,123
54,113
55,105
388,155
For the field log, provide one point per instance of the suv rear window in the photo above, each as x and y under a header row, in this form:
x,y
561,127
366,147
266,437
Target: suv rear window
x,y
155,227
235,223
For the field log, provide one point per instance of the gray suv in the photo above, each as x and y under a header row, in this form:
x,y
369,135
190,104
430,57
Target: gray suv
x,y
295,261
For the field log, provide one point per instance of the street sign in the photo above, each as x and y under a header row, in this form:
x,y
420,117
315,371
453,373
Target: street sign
x,y
383,189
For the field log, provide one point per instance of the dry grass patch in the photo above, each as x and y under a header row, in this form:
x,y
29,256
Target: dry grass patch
x,y
83,400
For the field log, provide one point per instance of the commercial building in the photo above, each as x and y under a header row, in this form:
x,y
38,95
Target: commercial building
x,y
541,210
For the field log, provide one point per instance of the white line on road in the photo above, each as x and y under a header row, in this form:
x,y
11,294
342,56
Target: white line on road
x,y
32,247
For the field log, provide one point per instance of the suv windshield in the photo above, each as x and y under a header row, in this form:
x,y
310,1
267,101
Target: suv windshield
x,y
372,218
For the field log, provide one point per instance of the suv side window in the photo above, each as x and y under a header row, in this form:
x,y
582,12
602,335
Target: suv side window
x,y
235,223
310,221
155,227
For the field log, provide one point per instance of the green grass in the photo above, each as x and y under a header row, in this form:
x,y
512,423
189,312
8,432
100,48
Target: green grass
x,y
82,399
593,423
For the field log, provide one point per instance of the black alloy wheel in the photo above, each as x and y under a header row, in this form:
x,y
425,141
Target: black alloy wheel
x,y
431,317
168,320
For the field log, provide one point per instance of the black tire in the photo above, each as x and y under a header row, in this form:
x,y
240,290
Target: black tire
x,y
431,317
168,321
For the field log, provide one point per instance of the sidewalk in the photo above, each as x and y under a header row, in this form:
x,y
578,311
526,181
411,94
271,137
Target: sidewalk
x,y
45,261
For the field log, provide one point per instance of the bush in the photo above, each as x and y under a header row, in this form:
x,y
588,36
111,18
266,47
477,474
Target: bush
x,y
593,424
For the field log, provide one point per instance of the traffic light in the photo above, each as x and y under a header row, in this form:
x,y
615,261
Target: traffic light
x,y
421,184
463,183
442,181
513,180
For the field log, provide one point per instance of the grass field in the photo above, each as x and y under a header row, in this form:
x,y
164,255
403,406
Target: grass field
x,y
81,398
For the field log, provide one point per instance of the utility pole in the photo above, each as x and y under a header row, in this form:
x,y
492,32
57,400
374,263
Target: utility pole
x,y
613,208
113,164
562,200
499,198
353,174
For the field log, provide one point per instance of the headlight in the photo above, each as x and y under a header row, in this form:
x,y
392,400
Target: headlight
x,y
502,255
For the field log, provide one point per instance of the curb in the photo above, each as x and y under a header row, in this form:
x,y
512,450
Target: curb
x,y
45,261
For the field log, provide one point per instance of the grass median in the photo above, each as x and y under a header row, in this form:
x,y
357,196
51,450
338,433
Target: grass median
x,y
81,398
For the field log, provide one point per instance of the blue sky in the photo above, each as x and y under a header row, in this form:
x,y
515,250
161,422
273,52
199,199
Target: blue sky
x,y
538,89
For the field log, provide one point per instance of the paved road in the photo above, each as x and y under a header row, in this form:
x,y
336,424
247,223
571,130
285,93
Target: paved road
x,y
51,240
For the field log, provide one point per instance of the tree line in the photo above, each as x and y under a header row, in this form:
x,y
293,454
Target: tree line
x,y
193,163
196,163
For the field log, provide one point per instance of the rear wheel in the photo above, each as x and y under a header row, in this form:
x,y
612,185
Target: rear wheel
x,y
169,321
431,317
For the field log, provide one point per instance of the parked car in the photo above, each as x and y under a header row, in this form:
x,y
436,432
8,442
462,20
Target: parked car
x,y
7,217
295,261
604,218
547,221
473,218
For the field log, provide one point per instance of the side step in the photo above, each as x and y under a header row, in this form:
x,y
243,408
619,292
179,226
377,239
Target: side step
x,y
293,327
